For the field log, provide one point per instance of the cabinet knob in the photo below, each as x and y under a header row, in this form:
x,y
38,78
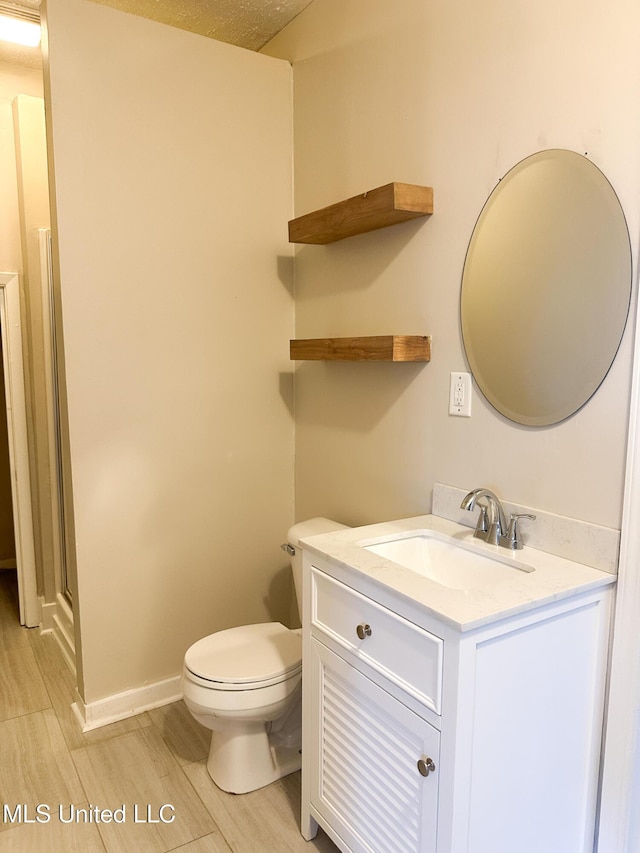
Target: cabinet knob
x,y
425,765
363,631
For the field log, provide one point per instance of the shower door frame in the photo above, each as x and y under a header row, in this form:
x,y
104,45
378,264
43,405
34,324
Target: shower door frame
x,y
16,414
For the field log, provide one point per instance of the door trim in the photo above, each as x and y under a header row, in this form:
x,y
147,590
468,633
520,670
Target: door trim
x,y
16,413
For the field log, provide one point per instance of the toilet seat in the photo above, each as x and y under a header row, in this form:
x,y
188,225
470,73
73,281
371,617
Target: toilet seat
x,y
249,657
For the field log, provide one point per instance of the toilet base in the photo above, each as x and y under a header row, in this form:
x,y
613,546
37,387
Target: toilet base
x,y
247,758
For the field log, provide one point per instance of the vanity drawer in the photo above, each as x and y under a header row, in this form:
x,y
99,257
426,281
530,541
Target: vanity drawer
x,y
404,653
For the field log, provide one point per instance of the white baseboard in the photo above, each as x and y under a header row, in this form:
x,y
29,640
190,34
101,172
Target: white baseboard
x,y
57,618
120,706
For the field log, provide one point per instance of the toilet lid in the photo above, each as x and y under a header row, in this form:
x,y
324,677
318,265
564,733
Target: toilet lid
x,y
248,654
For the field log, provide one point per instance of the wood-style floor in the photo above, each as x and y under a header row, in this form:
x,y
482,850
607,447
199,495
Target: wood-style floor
x,y
56,781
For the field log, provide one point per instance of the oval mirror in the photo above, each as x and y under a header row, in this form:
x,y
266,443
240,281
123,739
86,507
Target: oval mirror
x,y
546,288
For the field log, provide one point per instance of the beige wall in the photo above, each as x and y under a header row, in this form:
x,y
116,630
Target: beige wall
x,y
173,176
449,94
15,80
172,157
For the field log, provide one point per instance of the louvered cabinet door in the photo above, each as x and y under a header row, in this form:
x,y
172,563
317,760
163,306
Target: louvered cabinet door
x,y
375,779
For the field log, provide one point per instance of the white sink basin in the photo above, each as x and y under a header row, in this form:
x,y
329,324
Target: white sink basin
x,y
445,560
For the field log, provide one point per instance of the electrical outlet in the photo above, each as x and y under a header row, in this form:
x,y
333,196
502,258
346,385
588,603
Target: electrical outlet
x,y
460,395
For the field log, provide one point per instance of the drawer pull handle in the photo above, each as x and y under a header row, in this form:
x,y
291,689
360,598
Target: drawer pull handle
x,y
363,631
426,766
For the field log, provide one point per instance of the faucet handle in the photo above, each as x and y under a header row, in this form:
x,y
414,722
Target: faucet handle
x,y
513,539
482,525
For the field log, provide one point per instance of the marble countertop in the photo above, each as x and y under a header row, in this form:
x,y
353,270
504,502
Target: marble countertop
x,y
553,578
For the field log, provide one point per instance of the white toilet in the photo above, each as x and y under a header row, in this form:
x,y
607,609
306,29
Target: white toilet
x,y
245,684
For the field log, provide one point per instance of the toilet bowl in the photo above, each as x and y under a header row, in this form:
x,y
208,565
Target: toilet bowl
x,y
245,684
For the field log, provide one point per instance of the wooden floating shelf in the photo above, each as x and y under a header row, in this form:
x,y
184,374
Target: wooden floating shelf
x,y
374,209
376,348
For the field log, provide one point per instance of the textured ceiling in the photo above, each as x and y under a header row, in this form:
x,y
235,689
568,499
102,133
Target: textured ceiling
x,y
246,23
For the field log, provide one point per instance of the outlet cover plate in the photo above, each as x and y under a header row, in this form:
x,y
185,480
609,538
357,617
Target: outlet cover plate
x,y
460,395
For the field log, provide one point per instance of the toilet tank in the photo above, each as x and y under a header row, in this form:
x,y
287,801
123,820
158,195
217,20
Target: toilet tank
x,y
312,527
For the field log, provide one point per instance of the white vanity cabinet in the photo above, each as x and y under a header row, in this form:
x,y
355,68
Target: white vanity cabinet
x,y
420,736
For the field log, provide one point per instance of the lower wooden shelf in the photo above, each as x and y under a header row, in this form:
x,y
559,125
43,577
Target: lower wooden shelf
x,y
372,348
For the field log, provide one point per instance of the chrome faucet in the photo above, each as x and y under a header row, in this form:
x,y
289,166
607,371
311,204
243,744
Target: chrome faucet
x,y
492,523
